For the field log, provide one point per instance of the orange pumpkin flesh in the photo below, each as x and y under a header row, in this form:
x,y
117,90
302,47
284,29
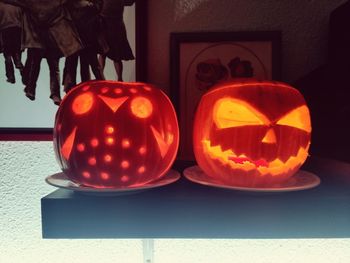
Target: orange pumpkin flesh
x,y
112,134
251,133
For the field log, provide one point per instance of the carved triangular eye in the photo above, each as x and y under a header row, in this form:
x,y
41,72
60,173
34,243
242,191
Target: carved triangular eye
x,y
229,112
298,118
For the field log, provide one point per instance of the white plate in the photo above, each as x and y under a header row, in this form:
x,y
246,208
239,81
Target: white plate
x,y
60,180
301,180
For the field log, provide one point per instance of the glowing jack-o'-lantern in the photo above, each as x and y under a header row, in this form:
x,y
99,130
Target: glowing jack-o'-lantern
x,y
113,134
251,133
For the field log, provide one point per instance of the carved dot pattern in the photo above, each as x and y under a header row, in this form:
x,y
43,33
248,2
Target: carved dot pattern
x,y
104,90
133,91
125,143
86,88
94,142
142,150
81,147
109,129
104,176
92,161
118,91
141,169
107,158
124,178
86,174
110,140
125,164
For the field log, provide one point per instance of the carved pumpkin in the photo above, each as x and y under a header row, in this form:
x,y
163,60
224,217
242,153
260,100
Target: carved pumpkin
x,y
251,133
113,134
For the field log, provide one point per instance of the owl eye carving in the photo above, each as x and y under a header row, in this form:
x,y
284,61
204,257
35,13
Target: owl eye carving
x,y
141,107
83,103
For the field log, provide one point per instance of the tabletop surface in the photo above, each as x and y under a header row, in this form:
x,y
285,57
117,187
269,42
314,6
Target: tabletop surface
x,y
188,210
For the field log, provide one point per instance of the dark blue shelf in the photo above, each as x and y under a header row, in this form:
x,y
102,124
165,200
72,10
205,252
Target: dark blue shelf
x,y
188,210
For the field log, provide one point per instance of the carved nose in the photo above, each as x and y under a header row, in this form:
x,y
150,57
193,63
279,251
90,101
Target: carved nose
x,y
270,136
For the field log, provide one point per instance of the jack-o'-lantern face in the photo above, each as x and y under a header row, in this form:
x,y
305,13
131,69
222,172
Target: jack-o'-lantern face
x,y
252,133
112,134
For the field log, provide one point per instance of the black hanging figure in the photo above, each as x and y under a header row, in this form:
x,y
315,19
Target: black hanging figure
x,y
48,32
11,19
85,14
114,28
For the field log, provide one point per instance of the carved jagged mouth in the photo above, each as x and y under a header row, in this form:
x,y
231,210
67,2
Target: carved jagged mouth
x,y
242,162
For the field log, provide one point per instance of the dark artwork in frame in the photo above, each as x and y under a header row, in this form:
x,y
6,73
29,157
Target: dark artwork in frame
x,y
25,120
199,60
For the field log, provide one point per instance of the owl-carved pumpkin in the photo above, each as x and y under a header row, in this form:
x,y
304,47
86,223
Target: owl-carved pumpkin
x,y
113,134
251,133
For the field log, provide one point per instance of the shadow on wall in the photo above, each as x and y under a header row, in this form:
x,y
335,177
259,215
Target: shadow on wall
x,y
327,91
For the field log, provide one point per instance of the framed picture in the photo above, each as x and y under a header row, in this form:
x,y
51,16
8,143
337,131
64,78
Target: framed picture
x,y
23,119
199,60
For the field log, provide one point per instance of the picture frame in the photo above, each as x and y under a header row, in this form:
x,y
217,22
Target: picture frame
x,y
199,60
28,133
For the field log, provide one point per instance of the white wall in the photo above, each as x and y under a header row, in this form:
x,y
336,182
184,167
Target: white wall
x,y
23,168
24,165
